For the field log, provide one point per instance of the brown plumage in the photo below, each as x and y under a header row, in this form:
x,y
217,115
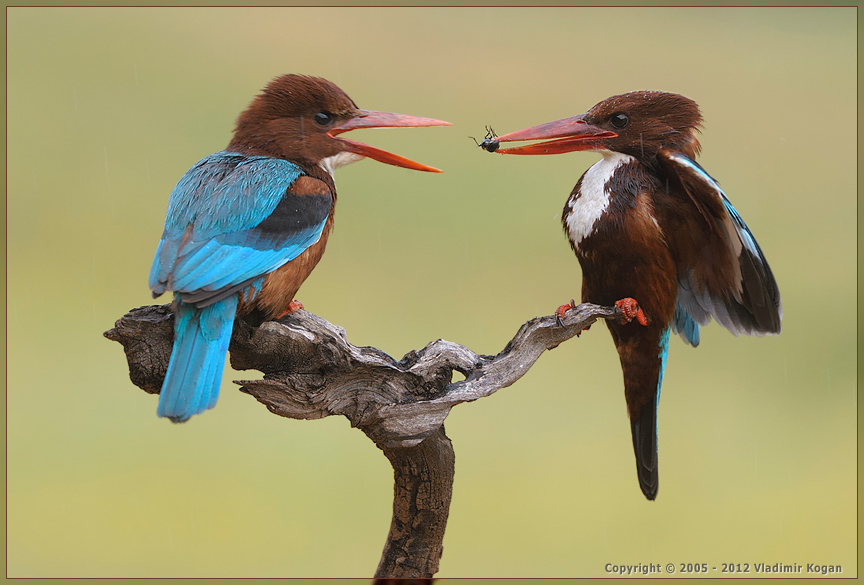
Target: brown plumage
x,y
648,223
281,286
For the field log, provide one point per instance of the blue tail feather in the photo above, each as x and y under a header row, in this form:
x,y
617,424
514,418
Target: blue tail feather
x,y
201,338
686,326
663,354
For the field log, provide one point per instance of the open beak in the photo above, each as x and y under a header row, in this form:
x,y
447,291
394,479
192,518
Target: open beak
x,y
370,119
566,135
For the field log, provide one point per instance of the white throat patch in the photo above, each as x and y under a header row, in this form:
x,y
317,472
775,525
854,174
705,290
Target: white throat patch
x,y
593,199
331,163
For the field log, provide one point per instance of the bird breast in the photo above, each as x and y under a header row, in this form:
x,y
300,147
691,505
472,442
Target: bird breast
x,y
590,199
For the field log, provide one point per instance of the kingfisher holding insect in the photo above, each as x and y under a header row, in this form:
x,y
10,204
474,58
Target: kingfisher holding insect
x,y
246,226
657,237
490,141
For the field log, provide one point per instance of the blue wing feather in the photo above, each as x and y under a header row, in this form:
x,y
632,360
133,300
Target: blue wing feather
x,y
210,242
228,192
685,326
231,220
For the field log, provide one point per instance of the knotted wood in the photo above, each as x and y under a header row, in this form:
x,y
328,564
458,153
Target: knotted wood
x,y
312,371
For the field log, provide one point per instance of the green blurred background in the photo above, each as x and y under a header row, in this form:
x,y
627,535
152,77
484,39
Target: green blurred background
x,y
108,107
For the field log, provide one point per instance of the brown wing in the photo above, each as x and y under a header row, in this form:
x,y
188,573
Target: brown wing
x,y
722,272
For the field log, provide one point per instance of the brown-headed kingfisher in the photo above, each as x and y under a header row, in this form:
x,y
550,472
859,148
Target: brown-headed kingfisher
x,y
656,236
246,226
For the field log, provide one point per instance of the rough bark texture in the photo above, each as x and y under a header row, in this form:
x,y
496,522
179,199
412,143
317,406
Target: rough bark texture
x,y
311,371
423,480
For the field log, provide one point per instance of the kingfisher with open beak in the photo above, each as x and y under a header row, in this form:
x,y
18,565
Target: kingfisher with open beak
x,y
246,226
657,237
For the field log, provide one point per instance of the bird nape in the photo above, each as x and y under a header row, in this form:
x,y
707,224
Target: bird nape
x,y
655,235
246,226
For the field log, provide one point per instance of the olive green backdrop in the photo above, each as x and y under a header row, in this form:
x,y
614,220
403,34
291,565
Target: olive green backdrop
x,y
108,107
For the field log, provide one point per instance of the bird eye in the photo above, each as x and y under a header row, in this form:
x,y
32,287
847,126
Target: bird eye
x,y
323,118
620,120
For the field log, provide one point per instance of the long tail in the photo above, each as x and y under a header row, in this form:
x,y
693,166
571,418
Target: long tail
x,y
647,382
201,338
644,429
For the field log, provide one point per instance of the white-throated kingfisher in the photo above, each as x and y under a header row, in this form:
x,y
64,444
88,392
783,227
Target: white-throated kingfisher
x,y
246,226
656,236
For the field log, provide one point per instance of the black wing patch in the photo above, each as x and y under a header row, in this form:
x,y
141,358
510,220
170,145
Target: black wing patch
x,y
295,224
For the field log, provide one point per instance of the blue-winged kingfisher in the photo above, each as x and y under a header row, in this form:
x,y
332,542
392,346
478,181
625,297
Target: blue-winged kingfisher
x,y
656,236
246,226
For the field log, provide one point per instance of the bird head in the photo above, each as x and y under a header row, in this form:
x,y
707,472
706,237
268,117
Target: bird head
x,y
299,118
638,123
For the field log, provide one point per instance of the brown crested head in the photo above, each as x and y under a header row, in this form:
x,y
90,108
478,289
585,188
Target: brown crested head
x,y
646,121
638,123
290,119
299,118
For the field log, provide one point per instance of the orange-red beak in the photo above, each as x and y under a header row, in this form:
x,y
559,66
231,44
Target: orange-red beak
x,y
370,119
570,134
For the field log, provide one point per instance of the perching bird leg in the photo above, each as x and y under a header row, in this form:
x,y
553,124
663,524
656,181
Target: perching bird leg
x,y
293,306
560,311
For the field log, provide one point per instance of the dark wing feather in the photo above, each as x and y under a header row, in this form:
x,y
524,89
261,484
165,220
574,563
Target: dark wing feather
x,y
722,270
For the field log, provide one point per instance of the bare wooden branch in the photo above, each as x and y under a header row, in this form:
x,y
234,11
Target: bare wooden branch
x,y
312,371
423,486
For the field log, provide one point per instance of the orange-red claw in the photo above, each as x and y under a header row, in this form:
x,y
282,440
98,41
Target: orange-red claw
x,y
629,309
293,306
560,311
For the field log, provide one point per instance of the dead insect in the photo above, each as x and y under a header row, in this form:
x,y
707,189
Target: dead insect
x,y
490,142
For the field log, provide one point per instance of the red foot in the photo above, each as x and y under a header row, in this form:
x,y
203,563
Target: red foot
x,y
630,308
294,305
560,311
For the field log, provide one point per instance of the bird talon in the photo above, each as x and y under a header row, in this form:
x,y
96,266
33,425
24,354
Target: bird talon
x,y
629,309
293,307
560,311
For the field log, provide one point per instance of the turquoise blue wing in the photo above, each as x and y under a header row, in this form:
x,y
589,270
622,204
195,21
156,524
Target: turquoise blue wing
x,y
231,219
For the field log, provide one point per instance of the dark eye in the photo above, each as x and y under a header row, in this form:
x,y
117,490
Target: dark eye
x,y
620,120
323,118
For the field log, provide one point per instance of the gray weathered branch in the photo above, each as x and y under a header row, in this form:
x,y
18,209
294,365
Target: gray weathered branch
x,y
311,371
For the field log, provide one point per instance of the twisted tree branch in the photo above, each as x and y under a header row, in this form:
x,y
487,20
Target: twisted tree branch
x,y
311,371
